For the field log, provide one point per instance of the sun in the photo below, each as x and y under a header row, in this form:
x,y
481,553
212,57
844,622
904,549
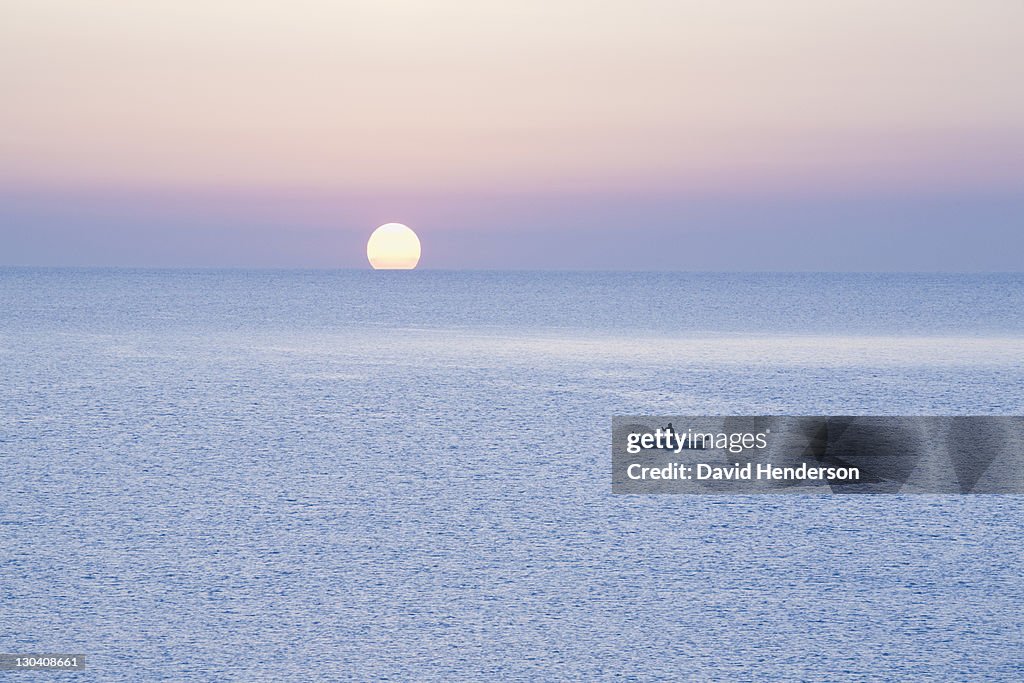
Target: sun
x,y
393,246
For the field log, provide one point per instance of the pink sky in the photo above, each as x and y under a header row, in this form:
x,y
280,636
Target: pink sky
x,y
492,95
453,105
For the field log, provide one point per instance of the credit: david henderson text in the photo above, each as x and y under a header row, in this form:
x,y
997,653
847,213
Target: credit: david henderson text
x,y
738,472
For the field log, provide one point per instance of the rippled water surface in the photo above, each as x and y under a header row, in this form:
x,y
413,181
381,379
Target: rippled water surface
x,y
352,475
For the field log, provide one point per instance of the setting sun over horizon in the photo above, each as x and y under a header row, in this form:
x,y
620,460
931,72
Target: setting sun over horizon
x,y
393,246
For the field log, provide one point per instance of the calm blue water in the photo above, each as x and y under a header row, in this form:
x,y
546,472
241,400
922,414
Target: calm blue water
x,y
353,475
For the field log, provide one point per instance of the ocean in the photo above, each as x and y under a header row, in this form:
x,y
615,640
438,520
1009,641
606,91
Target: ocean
x,y
346,475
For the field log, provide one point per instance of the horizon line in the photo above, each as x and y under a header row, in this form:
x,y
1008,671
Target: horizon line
x,y
315,269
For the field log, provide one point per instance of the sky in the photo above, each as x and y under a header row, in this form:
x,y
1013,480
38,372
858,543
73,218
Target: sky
x,y
641,134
